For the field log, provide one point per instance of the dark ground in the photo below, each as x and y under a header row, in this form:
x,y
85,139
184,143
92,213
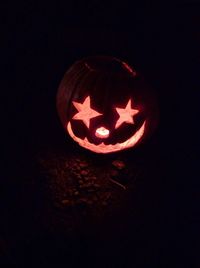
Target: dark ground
x,y
155,222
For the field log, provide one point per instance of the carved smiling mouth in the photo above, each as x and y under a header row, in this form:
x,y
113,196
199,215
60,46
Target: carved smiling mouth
x,y
104,148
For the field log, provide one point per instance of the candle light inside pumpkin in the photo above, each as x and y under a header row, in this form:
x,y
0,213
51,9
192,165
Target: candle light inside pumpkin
x,y
102,133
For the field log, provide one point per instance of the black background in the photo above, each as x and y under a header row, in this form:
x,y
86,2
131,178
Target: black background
x,y
40,41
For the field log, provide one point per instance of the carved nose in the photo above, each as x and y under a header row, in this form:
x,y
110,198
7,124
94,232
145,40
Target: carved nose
x,y
102,133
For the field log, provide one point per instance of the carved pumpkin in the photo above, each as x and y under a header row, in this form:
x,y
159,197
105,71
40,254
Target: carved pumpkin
x,y
105,105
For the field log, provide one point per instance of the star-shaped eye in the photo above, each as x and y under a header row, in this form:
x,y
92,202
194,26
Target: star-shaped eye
x,y
85,112
125,114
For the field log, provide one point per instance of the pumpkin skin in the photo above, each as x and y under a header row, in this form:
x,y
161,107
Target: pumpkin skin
x,y
105,105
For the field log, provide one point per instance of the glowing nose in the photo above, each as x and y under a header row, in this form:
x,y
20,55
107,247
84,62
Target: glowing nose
x,y
102,132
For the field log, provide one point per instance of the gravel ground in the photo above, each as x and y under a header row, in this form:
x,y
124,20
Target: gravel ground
x,y
81,190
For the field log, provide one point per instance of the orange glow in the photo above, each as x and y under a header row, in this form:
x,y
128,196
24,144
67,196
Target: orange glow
x,y
125,115
102,133
102,147
129,68
85,112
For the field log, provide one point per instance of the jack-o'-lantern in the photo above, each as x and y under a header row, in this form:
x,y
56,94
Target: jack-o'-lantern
x,y
105,105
